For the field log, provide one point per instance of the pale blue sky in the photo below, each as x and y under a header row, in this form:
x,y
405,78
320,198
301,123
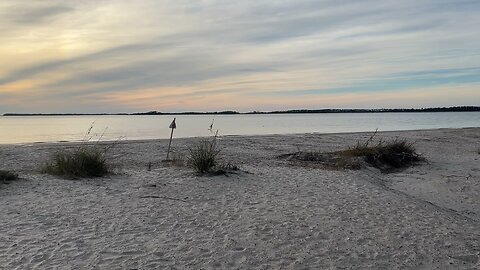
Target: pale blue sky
x,y
124,56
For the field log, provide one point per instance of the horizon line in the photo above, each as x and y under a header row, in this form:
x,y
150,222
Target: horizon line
x,y
292,111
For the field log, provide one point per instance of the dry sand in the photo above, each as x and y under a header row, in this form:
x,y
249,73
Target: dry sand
x,y
276,216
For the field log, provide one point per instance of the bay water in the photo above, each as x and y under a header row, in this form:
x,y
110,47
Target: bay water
x,y
28,129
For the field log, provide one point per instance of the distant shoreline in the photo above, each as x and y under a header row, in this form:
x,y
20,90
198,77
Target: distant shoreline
x,y
301,111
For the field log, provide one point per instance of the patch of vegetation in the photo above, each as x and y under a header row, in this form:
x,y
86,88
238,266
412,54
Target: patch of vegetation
x,y
386,156
203,158
85,161
225,169
6,176
203,155
326,160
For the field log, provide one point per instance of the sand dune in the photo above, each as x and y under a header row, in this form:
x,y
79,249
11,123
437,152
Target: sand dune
x,y
277,215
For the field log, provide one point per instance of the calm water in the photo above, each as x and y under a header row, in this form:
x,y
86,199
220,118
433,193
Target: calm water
x,y
73,128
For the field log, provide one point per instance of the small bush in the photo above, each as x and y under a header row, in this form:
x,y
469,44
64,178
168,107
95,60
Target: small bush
x,y
203,158
395,154
203,155
7,176
386,156
81,162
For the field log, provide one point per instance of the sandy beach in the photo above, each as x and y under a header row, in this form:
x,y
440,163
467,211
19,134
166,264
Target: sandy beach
x,y
273,214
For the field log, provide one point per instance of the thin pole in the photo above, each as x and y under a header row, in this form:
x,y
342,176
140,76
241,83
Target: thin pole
x,y
173,126
169,143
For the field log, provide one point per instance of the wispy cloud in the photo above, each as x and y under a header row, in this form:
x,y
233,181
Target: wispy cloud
x,y
39,14
178,55
395,82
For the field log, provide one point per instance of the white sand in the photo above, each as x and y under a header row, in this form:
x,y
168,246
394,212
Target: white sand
x,y
277,216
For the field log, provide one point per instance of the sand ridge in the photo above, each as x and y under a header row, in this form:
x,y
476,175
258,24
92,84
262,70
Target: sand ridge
x,y
277,216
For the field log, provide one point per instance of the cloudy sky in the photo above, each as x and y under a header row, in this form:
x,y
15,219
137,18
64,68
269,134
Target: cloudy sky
x,y
178,55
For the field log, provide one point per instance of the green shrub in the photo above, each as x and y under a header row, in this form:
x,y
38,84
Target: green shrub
x,y
84,161
203,155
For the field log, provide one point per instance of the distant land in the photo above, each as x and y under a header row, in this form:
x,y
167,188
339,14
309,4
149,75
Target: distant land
x,y
437,109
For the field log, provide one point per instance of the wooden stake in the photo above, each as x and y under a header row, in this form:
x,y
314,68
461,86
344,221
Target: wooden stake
x,y
173,126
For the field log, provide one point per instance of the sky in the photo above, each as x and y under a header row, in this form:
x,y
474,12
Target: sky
x,y
93,56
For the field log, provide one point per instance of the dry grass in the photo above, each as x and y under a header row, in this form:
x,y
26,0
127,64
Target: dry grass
x,y
85,161
386,156
203,155
6,176
333,160
204,159
225,169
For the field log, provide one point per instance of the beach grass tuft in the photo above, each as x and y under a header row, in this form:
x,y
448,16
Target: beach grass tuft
x,y
395,154
204,159
7,176
85,161
203,155
386,156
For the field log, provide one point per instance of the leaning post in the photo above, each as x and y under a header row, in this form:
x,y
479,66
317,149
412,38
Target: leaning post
x,y
173,126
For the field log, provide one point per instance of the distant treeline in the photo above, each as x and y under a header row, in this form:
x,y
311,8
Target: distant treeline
x,y
438,109
185,113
